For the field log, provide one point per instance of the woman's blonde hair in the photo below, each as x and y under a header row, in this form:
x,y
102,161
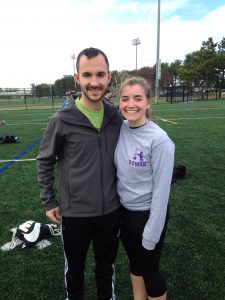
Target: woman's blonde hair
x,y
140,81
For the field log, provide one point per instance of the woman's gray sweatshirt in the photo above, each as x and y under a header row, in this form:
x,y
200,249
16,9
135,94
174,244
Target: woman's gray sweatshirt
x,y
144,159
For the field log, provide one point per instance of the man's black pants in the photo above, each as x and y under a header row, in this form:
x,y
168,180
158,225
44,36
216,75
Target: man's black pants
x,y
77,234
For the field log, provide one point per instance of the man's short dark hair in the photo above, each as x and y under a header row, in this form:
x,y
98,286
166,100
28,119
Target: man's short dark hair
x,y
91,53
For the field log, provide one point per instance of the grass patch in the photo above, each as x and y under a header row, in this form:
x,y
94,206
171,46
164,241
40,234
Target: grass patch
x,y
194,254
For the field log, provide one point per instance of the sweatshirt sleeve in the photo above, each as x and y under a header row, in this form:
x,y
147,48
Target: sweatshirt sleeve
x,y
46,160
162,160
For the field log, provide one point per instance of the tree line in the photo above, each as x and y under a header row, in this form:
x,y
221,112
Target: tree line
x,y
203,70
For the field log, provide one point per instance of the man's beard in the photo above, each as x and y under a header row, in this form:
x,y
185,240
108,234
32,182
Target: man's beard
x,y
91,99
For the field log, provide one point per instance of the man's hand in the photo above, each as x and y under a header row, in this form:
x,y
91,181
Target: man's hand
x,y
54,215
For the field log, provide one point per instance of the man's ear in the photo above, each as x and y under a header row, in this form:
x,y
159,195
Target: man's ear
x,y
76,78
109,77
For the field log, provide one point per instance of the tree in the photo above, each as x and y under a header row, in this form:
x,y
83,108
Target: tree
x,y
190,71
220,66
198,67
147,72
174,71
117,78
166,75
42,90
209,46
64,84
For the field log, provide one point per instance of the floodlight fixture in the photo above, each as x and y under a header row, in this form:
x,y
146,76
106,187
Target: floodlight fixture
x,y
136,42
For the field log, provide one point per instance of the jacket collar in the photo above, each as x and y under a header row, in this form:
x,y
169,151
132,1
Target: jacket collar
x,y
72,115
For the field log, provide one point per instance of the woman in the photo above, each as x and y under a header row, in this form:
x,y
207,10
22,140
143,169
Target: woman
x,y
144,158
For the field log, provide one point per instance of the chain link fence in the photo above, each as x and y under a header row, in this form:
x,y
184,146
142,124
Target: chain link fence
x,y
25,99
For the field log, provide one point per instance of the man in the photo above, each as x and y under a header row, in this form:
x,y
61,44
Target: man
x,y
108,96
82,140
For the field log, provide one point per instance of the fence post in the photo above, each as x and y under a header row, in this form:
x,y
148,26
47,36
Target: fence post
x,y
52,96
25,98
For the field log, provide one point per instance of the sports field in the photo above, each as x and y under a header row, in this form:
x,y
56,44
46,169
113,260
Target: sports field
x,y
194,254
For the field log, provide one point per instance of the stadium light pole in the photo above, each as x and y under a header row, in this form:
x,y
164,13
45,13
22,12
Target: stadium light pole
x,y
157,67
73,58
136,42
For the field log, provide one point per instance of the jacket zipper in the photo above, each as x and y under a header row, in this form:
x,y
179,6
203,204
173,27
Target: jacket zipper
x,y
103,204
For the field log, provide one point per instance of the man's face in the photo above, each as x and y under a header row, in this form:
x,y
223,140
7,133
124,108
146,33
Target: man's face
x,y
93,77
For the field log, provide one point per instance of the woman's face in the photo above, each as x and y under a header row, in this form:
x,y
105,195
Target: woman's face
x,y
133,105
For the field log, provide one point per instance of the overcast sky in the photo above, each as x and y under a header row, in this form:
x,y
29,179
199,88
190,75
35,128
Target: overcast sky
x,y
38,37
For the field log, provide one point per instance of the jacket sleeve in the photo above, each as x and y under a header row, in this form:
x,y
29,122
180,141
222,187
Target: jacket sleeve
x,y
46,160
162,163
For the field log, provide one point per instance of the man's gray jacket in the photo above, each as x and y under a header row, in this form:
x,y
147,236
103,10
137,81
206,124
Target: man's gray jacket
x,y
86,172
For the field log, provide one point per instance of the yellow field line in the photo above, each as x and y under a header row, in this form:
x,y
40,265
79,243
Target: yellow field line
x,y
165,120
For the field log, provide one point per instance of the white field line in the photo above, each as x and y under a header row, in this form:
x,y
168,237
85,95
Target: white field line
x,y
193,118
186,109
197,118
33,123
189,109
27,114
17,160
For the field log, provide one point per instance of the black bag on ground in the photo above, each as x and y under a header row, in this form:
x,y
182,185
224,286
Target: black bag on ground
x,y
8,139
179,172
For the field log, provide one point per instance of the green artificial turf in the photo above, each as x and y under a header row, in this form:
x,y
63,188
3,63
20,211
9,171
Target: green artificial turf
x,y
193,257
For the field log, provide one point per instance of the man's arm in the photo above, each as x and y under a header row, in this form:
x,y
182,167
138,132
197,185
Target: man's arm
x,y
46,161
